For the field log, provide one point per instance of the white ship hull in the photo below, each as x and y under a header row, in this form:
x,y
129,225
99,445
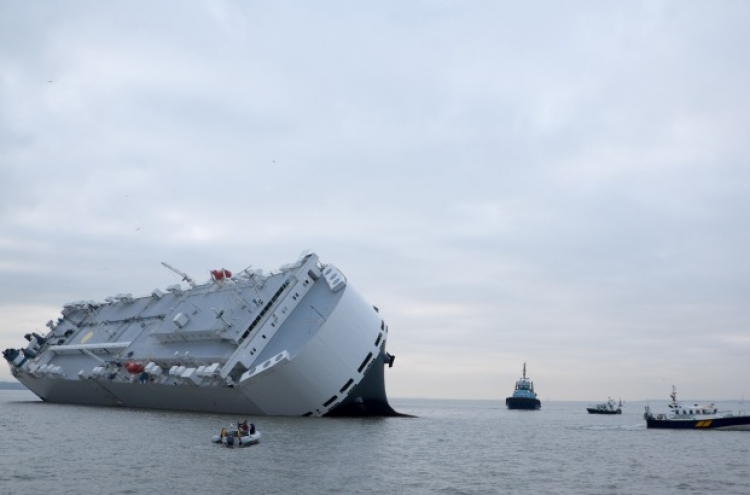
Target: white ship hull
x,y
307,345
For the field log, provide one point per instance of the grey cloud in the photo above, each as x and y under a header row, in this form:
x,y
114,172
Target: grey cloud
x,y
565,184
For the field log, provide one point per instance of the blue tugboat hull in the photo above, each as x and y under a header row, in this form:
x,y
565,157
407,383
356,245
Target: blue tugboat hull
x,y
523,403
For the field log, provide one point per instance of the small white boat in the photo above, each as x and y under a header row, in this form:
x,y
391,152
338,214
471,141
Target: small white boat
x,y
237,435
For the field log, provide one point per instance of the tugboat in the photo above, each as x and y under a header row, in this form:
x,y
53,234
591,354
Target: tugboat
x,y
609,407
697,416
523,396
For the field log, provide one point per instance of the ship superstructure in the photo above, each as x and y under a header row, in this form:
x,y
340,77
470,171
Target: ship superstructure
x,y
297,342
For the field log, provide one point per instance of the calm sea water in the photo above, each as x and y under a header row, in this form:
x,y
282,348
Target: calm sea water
x,y
452,447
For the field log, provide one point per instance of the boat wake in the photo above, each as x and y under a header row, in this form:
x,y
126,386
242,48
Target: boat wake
x,y
636,427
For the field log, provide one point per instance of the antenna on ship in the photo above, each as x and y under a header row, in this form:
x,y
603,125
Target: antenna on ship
x,y
185,276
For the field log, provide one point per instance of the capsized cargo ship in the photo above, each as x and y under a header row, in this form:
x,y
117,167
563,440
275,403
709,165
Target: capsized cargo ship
x,y
300,341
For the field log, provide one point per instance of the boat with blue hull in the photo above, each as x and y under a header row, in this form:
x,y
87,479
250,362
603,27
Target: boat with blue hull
x,y
695,416
523,396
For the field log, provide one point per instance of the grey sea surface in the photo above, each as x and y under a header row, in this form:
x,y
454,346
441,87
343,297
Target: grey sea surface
x,y
451,447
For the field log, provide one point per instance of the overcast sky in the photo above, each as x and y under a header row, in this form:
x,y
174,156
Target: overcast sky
x,y
565,184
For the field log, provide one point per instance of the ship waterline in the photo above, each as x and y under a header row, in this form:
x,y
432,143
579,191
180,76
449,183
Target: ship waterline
x,y
298,342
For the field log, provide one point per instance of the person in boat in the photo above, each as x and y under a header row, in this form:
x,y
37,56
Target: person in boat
x,y
244,426
252,428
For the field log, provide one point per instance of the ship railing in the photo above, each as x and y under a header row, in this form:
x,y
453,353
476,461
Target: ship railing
x,y
262,330
104,347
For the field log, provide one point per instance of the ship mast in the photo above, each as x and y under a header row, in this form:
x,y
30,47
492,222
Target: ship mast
x,y
185,276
